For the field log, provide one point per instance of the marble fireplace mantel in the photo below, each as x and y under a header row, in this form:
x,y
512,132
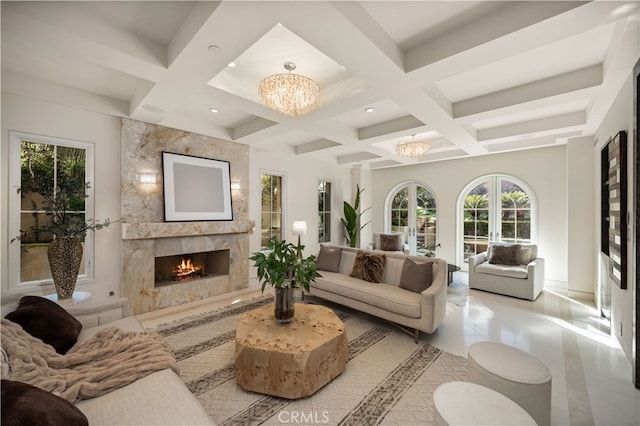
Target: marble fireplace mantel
x,y
141,231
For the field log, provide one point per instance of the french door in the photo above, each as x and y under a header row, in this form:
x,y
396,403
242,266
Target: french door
x,y
412,212
495,208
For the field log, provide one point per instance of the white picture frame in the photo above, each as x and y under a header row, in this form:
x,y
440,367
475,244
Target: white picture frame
x,y
196,188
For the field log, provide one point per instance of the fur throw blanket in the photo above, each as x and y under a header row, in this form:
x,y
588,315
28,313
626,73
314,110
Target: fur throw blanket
x,y
107,361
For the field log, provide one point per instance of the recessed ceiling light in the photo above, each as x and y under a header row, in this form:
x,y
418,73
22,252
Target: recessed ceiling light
x,y
214,49
153,108
368,110
214,110
232,65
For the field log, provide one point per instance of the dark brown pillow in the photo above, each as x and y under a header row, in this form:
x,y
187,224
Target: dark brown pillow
x,y
415,276
391,242
369,267
329,259
504,255
47,321
24,404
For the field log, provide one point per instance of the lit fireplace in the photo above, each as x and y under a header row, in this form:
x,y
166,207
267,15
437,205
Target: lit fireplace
x,y
191,266
187,270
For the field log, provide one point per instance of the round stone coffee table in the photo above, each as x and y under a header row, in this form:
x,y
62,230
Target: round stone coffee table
x,y
291,360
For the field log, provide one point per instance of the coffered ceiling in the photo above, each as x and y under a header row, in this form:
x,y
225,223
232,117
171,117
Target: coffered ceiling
x,y
471,77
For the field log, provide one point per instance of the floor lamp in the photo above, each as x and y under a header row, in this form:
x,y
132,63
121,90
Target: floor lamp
x,y
299,228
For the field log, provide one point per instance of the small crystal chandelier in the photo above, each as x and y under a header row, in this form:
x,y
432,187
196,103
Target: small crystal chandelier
x,y
290,94
413,149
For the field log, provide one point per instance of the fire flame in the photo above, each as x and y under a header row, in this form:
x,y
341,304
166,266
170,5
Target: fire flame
x,y
186,268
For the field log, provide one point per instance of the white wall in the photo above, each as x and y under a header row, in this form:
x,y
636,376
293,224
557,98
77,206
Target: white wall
x,y
619,117
301,177
582,255
32,116
544,170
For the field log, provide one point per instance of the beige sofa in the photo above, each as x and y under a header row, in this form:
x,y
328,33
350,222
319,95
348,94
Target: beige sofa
x,y
160,398
422,311
524,279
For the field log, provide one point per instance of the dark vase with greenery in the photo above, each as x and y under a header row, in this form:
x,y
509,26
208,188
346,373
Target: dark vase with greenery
x,y
65,251
282,266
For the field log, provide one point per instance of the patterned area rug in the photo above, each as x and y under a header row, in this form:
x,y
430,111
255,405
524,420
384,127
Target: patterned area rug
x,y
388,379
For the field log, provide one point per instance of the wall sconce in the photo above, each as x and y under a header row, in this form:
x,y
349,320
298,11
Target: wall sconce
x,y
147,178
235,186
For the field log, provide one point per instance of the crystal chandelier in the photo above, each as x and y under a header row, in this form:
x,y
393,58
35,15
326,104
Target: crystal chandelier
x,y
290,94
413,149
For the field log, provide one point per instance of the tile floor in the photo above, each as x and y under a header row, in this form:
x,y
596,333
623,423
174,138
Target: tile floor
x,y
591,382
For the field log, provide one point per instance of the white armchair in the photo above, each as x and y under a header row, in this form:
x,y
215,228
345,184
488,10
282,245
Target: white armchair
x,y
522,274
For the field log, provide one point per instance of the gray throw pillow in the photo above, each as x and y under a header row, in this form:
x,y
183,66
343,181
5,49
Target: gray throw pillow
x,y
524,256
416,277
329,259
504,254
391,242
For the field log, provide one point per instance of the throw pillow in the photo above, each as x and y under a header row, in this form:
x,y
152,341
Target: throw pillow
x,y
47,321
416,276
391,242
369,267
504,254
329,259
24,404
524,256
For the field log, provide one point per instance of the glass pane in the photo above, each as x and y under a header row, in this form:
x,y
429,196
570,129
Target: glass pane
x,y
425,220
324,213
36,173
70,175
476,220
516,213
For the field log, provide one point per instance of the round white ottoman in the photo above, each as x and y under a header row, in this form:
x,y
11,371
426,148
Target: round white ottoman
x,y
464,403
516,374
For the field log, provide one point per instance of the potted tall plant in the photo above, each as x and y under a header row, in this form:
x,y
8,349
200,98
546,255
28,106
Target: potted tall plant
x,y
65,251
351,219
282,266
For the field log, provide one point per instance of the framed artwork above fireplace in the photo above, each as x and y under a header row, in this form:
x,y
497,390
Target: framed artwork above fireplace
x,y
196,188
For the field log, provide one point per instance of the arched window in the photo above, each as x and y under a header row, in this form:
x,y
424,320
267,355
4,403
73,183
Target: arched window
x,y
495,208
411,210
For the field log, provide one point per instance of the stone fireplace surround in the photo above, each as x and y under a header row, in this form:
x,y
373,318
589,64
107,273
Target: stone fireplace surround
x,y
145,235
144,242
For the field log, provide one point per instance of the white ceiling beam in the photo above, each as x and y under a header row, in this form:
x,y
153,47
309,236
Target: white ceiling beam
x,y
23,85
553,86
504,22
554,123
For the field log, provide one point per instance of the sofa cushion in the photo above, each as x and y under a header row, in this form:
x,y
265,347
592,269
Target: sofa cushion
x,y
329,258
503,254
384,296
513,271
47,321
368,267
160,398
24,404
416,276
347,259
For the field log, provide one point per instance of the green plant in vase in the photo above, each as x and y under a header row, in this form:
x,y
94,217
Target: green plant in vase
x,y
351,219
67,228
282,267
